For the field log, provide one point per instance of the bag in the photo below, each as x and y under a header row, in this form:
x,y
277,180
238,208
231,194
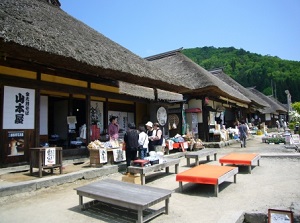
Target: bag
x,y
124,146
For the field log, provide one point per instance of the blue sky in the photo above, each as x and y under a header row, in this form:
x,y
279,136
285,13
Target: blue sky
x,y
266,27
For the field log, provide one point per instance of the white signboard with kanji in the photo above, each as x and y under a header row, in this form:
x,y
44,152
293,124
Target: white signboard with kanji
x,y
18,109
50,156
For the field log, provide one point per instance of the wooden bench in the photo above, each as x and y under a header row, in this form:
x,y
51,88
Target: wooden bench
x,y
200,153
126,195
148,169
242,159
207,174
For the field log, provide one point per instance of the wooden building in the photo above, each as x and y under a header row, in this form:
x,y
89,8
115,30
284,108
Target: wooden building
x,y
256,103
59,75
275,111
208,99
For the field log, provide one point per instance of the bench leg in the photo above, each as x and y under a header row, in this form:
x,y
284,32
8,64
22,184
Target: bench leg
x,y
176,168
197,161
188,162
81,202
215,156
234,178
140,216
167,169
143,180
180,186
216,189
249,168
208,158
257,162
167,206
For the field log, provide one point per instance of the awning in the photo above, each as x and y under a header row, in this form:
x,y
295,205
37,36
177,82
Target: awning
x,y
148,93
136,90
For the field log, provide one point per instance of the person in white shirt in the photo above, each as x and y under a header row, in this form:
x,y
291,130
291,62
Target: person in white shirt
x,y
143,142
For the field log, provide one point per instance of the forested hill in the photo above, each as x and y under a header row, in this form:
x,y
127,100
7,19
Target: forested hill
x,y
270,75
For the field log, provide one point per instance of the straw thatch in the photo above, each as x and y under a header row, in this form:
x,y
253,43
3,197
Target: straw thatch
x,y
274,106
135,90
42,34
196,79
257,101
168,96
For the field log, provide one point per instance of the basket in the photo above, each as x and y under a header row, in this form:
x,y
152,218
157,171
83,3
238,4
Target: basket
x,y
197,146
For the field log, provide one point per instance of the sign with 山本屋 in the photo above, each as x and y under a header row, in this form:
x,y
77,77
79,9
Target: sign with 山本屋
x,y
18,108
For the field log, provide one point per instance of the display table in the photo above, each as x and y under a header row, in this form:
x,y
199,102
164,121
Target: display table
x,y
37,160
147,169
242,159
207,174
127,195
201,153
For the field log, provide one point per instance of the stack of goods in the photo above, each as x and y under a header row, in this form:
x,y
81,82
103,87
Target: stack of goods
x,y
153,158
95,145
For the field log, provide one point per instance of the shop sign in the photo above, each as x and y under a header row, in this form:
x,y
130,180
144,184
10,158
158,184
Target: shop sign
x,y
119,155
16,143
103,155
18,108
50,156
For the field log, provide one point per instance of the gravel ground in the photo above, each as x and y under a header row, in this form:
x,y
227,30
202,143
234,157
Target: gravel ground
x,y
273,184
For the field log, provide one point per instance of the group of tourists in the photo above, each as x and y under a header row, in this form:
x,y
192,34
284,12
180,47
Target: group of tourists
x,y
138,142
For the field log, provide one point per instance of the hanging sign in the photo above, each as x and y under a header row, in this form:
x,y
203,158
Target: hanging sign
x,y
18,108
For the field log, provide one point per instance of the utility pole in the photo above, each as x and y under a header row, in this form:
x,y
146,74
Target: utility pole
x,y
289,103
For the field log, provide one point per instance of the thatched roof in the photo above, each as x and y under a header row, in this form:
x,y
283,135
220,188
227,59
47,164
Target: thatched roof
x,y
274,105
40,33
149,93
257,101
196,79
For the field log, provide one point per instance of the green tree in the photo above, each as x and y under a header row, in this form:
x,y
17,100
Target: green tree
x,y
296,106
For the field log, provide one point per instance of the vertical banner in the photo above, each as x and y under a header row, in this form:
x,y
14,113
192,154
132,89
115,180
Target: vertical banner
x,y
119,155
96,113
50,156
103,155
16,143
18,108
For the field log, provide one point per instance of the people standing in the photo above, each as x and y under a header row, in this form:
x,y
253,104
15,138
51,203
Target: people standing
x,y
131,139
149,126
157,136
278,125
143,142
243,133
284,125
113,128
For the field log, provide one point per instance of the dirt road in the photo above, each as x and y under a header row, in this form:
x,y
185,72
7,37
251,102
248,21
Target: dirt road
x,y
273,184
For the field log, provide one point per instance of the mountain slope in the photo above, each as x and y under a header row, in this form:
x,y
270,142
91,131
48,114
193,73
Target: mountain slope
x,y
270,75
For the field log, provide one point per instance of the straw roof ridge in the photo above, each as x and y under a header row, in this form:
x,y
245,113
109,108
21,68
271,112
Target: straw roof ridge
x,y
219,73
274,105
41,32
186,72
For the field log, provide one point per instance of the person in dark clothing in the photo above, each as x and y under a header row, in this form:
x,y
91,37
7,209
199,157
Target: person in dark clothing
x,y
157,136
243,130
149,132
131,139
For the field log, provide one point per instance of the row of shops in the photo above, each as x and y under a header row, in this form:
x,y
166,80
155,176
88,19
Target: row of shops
x,y
62,93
